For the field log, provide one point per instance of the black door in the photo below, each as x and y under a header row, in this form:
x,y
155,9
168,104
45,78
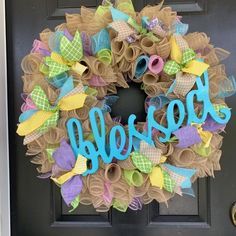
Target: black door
x,y
36,206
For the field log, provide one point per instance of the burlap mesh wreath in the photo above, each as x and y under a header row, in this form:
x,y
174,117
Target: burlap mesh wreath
x,y
79,66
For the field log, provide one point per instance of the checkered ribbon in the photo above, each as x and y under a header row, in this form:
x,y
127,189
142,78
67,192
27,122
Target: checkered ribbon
x,y
55,68
123,30
172,67
72,50
184,83
178,179
41,101
169,183
151,152
141,162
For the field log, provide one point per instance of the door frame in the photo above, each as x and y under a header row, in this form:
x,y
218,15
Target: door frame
x,y
4,153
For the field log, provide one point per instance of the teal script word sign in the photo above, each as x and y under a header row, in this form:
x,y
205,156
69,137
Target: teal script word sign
x,y
118,139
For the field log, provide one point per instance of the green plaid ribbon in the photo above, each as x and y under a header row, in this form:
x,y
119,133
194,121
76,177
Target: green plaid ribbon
x,y
72,50
169,183
54,68
172,67
41,101
141,162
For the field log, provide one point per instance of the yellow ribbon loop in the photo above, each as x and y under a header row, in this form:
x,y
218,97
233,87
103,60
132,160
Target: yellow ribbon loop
x,y
79,168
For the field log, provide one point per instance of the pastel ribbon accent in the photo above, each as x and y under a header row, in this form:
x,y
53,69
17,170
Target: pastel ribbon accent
x,y
136,204
107,195
212,126
155,64
169,184
47,115
75,203
100,41
79,168
28,103
183,83
151,152
120,206
56,65
87,43
58,80
157,177
183,61
50,152
205,136
133,177
71,50
118,15
71,182
104,55
227,87
158,102
123,30
97,81
155,26
141,162
141,66
71,189
39,47
187,136
202,150
180,28
181,176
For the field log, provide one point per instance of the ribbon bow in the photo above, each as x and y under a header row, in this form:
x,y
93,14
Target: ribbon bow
x,y
128,26
70,182
183,60
71,51
46,115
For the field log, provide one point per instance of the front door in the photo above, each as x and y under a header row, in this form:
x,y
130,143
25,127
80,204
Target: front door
x,y
36,206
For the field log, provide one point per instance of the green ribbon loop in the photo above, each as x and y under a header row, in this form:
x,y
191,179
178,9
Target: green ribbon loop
x,y
133,177
120,206
104,55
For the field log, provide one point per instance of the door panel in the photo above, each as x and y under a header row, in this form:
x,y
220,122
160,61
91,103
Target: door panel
x,y
36,206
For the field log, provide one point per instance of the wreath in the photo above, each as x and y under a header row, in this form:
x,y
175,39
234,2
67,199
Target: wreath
x,y
70,81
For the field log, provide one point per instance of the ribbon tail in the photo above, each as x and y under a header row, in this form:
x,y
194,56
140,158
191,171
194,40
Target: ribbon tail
x,y
33,123
62,179
195,67
72,102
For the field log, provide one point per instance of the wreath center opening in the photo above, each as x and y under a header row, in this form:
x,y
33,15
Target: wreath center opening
x,y
131,101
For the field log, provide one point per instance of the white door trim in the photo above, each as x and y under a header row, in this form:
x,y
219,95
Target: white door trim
x,y
4,154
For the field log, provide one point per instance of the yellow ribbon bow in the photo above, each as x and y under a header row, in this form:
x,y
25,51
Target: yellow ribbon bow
x,y
183,60
79,168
